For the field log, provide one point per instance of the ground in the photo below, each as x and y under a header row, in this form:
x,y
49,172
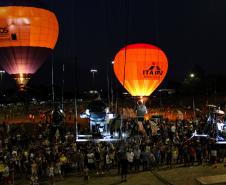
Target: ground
x,y
176,176
187,176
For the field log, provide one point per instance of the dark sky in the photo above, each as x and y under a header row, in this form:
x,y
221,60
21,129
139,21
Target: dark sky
x,y
189,32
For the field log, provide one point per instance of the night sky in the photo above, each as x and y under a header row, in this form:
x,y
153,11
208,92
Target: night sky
x,y
190,32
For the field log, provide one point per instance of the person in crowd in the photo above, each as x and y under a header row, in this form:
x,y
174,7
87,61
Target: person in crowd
x,y
86,174
108,161
185,155
174,154
157,155
34,180
2,168
51,174
130,158
124,167
199,153
91,160
169,156
152,161
97,160
79,158
63,164
6,175
137,153
58,169
192,154
34,168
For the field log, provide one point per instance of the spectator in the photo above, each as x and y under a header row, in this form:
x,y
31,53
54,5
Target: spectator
x,y
124,167
130,158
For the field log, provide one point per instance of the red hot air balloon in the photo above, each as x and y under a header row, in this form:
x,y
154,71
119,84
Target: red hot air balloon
x,y
140,68
28,34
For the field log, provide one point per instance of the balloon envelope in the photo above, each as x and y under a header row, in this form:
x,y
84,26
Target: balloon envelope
x,y
27,36
140,68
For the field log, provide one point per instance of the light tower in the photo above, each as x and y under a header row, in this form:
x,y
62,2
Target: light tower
x,y
1,73
93,71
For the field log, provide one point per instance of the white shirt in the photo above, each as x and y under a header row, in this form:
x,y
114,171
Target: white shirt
x,y
173,129
141,110
130,156
90,157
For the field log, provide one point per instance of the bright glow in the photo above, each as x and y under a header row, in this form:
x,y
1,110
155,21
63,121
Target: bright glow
x,y
87,112
113,62
83,115
116,134
124,135
141,99
93,92
93,70
192,75
21,78
140,68
18,21
26,21
2,72
221,142
96,140
12,28
169,91
110,116
107,110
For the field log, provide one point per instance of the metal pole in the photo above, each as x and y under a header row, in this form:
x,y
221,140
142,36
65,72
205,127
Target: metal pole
x,y
75,103
53,94
160,99
121,123
108,88
1,73
116,100
112,98
215,91
93,80
76,122
62,90
193,102
93,71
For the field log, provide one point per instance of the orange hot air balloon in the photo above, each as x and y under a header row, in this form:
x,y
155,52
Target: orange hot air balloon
x,y
28,34
140,68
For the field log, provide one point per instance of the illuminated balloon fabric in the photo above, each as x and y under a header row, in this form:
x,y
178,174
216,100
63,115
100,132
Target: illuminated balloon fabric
x,y
27,36
140,68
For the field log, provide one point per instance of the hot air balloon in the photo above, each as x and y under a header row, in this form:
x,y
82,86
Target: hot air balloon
x,y
140,68
28,34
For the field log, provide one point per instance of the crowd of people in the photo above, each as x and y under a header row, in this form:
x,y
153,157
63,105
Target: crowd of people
x,y
42,151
